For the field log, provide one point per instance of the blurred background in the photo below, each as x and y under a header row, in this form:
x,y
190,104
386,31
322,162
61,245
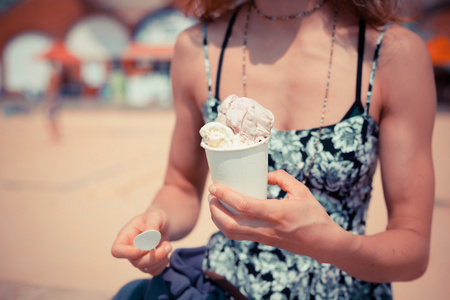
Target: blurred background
x,y
85,123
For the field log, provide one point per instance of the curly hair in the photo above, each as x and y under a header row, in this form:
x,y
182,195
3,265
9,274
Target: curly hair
x,y
374,12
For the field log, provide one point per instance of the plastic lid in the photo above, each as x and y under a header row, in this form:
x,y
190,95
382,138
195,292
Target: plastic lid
x,y
147,240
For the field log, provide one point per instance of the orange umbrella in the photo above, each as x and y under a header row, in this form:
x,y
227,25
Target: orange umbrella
x,y
136,51
439,48
59,53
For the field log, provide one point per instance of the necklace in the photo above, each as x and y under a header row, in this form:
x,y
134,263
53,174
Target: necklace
x,y
325,100
289,17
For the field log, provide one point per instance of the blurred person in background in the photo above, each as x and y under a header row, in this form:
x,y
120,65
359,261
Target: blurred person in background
x,y
313,64
52,104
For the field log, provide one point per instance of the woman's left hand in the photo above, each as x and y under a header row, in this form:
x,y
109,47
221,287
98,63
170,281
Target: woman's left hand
x,y
298,223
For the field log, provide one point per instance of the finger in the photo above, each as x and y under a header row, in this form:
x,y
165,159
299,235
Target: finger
x,y
240,203
123,246
285,181
239,226
219,212
154,257
155,268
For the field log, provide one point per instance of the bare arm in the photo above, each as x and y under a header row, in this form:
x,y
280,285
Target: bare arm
x,y
406,125
187,168
175,208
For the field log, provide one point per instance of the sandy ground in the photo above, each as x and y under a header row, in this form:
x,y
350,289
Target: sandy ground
x,y
63,202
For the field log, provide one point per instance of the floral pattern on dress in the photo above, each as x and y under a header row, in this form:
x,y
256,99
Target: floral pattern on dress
x,y
340,179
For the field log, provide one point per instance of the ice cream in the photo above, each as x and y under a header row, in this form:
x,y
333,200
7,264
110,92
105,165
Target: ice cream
x,y
236,147
241,121
218,135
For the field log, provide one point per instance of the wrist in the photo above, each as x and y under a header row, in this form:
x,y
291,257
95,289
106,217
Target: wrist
x,y
157,218
344,247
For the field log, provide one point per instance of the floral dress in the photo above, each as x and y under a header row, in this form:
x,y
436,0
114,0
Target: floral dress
x,y
340,179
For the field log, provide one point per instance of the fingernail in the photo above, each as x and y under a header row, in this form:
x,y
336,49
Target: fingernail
x,y
168,248
212,189
210,197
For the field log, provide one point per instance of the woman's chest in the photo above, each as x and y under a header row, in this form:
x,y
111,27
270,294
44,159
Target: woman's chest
x,y
339,158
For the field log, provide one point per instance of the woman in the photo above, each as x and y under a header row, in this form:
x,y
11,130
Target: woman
x,y
313,64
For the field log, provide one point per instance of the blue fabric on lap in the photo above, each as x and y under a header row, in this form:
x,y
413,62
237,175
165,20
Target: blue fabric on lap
x,y
183,279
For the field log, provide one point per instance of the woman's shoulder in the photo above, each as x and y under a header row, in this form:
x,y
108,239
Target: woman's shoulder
x,y
403,46
193,37
188,50
405,68
403,53
189,39
188,62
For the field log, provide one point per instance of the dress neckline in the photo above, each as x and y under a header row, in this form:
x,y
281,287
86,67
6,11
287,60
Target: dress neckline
x,y
345,118
330,126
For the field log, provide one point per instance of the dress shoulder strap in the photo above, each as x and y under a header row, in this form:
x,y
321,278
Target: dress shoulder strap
x,y
222,52
207,64
361,44
357,108
374,66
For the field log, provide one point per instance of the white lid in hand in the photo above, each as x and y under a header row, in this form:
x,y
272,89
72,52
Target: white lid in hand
x,y
147,240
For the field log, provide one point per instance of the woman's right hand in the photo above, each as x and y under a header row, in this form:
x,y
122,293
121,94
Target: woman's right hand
x,y
154,261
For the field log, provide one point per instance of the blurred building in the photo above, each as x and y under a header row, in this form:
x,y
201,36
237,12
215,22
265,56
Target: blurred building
x,y
434,27
108,49
120,50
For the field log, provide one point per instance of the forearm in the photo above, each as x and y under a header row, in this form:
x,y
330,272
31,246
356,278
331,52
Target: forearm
x,y
393,255
181,208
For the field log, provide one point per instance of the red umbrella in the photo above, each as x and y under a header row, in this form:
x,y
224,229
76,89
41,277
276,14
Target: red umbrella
x,y
439,48
59,53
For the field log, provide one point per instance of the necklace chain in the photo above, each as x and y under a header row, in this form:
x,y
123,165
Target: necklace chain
x,y
289,17
244,51
325,100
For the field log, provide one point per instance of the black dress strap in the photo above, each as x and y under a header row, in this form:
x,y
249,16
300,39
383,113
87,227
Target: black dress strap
x,y
222,51
374,66
361,43
357,108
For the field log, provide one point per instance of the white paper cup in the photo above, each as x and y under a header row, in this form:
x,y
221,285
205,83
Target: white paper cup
x,y
242,169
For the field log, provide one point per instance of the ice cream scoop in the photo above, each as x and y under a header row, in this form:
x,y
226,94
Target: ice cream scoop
x,y
218,135
247,118
241,121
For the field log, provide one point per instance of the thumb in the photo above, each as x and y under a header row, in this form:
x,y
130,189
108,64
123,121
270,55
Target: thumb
x,y
162,250
285,181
